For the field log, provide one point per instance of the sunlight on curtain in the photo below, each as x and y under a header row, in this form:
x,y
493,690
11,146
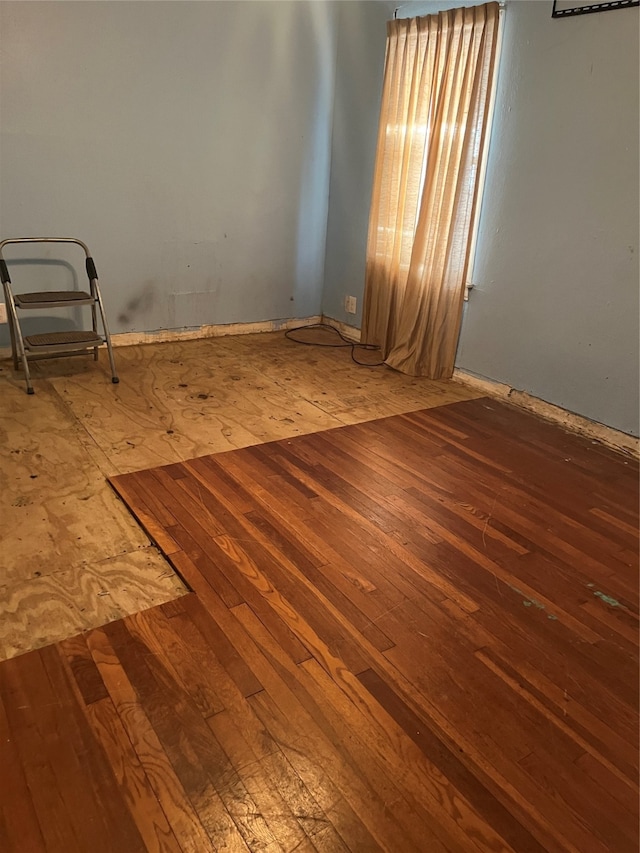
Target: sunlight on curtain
x,y
436,92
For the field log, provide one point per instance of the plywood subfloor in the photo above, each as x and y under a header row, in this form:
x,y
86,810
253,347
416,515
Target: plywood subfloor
x,y
414,634
71,556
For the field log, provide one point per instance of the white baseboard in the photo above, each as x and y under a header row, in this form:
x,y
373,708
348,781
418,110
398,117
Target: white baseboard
x,y
127,339
159,336
350,332
570,421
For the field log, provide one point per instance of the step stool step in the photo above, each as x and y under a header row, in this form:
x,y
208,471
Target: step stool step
x,y
51,298
74,340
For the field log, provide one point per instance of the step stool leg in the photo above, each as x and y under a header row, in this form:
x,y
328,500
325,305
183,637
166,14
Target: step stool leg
x,y
27,374
12,336
114,375
107,336
17,344
94,324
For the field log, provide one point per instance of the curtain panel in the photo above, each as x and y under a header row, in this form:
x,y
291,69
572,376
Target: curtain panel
x,y
436,97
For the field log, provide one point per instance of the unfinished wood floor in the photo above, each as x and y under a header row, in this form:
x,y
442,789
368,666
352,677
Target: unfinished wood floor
x,y
71,557
414,634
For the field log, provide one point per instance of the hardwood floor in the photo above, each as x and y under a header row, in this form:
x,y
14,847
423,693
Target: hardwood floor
x,y
72,557
413,634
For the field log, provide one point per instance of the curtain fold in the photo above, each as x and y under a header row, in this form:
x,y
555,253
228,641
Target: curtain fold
x,y
436,92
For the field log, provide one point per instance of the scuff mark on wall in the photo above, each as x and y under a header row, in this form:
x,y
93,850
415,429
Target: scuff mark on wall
x,y
138,305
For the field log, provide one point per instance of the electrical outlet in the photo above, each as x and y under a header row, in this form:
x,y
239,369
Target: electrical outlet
x,y
3,313
350,304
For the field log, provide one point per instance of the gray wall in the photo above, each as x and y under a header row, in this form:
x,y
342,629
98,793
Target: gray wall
x,y
359,69
555,307
187,143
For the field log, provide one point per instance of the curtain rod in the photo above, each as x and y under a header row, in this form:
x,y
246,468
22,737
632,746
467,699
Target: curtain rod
x,y
501,3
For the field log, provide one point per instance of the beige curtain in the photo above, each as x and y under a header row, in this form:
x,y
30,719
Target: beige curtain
x,y
435,101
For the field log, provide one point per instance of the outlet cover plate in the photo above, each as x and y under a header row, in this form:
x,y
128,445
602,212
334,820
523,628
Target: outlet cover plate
x,y
350,304
3,313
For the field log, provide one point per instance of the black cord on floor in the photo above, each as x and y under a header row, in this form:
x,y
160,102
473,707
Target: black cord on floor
x,y
345,342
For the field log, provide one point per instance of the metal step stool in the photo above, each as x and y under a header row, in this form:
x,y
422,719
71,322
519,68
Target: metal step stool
x,y
55,344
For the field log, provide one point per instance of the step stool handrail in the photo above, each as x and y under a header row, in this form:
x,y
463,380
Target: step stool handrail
x,y
4,243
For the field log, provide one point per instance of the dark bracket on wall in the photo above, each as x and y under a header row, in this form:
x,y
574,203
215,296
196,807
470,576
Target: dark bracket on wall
x,y
605,6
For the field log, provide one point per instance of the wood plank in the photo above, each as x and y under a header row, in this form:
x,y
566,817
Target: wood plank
x,y
400,636
479,797
258,776
183,653
198,610
63,772
163,779
310,733
83,669
20,827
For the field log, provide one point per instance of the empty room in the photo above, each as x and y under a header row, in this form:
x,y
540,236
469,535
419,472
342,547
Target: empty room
x,y
319,416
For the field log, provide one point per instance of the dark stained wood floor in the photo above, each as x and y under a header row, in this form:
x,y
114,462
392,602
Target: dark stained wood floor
x,y
415,634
